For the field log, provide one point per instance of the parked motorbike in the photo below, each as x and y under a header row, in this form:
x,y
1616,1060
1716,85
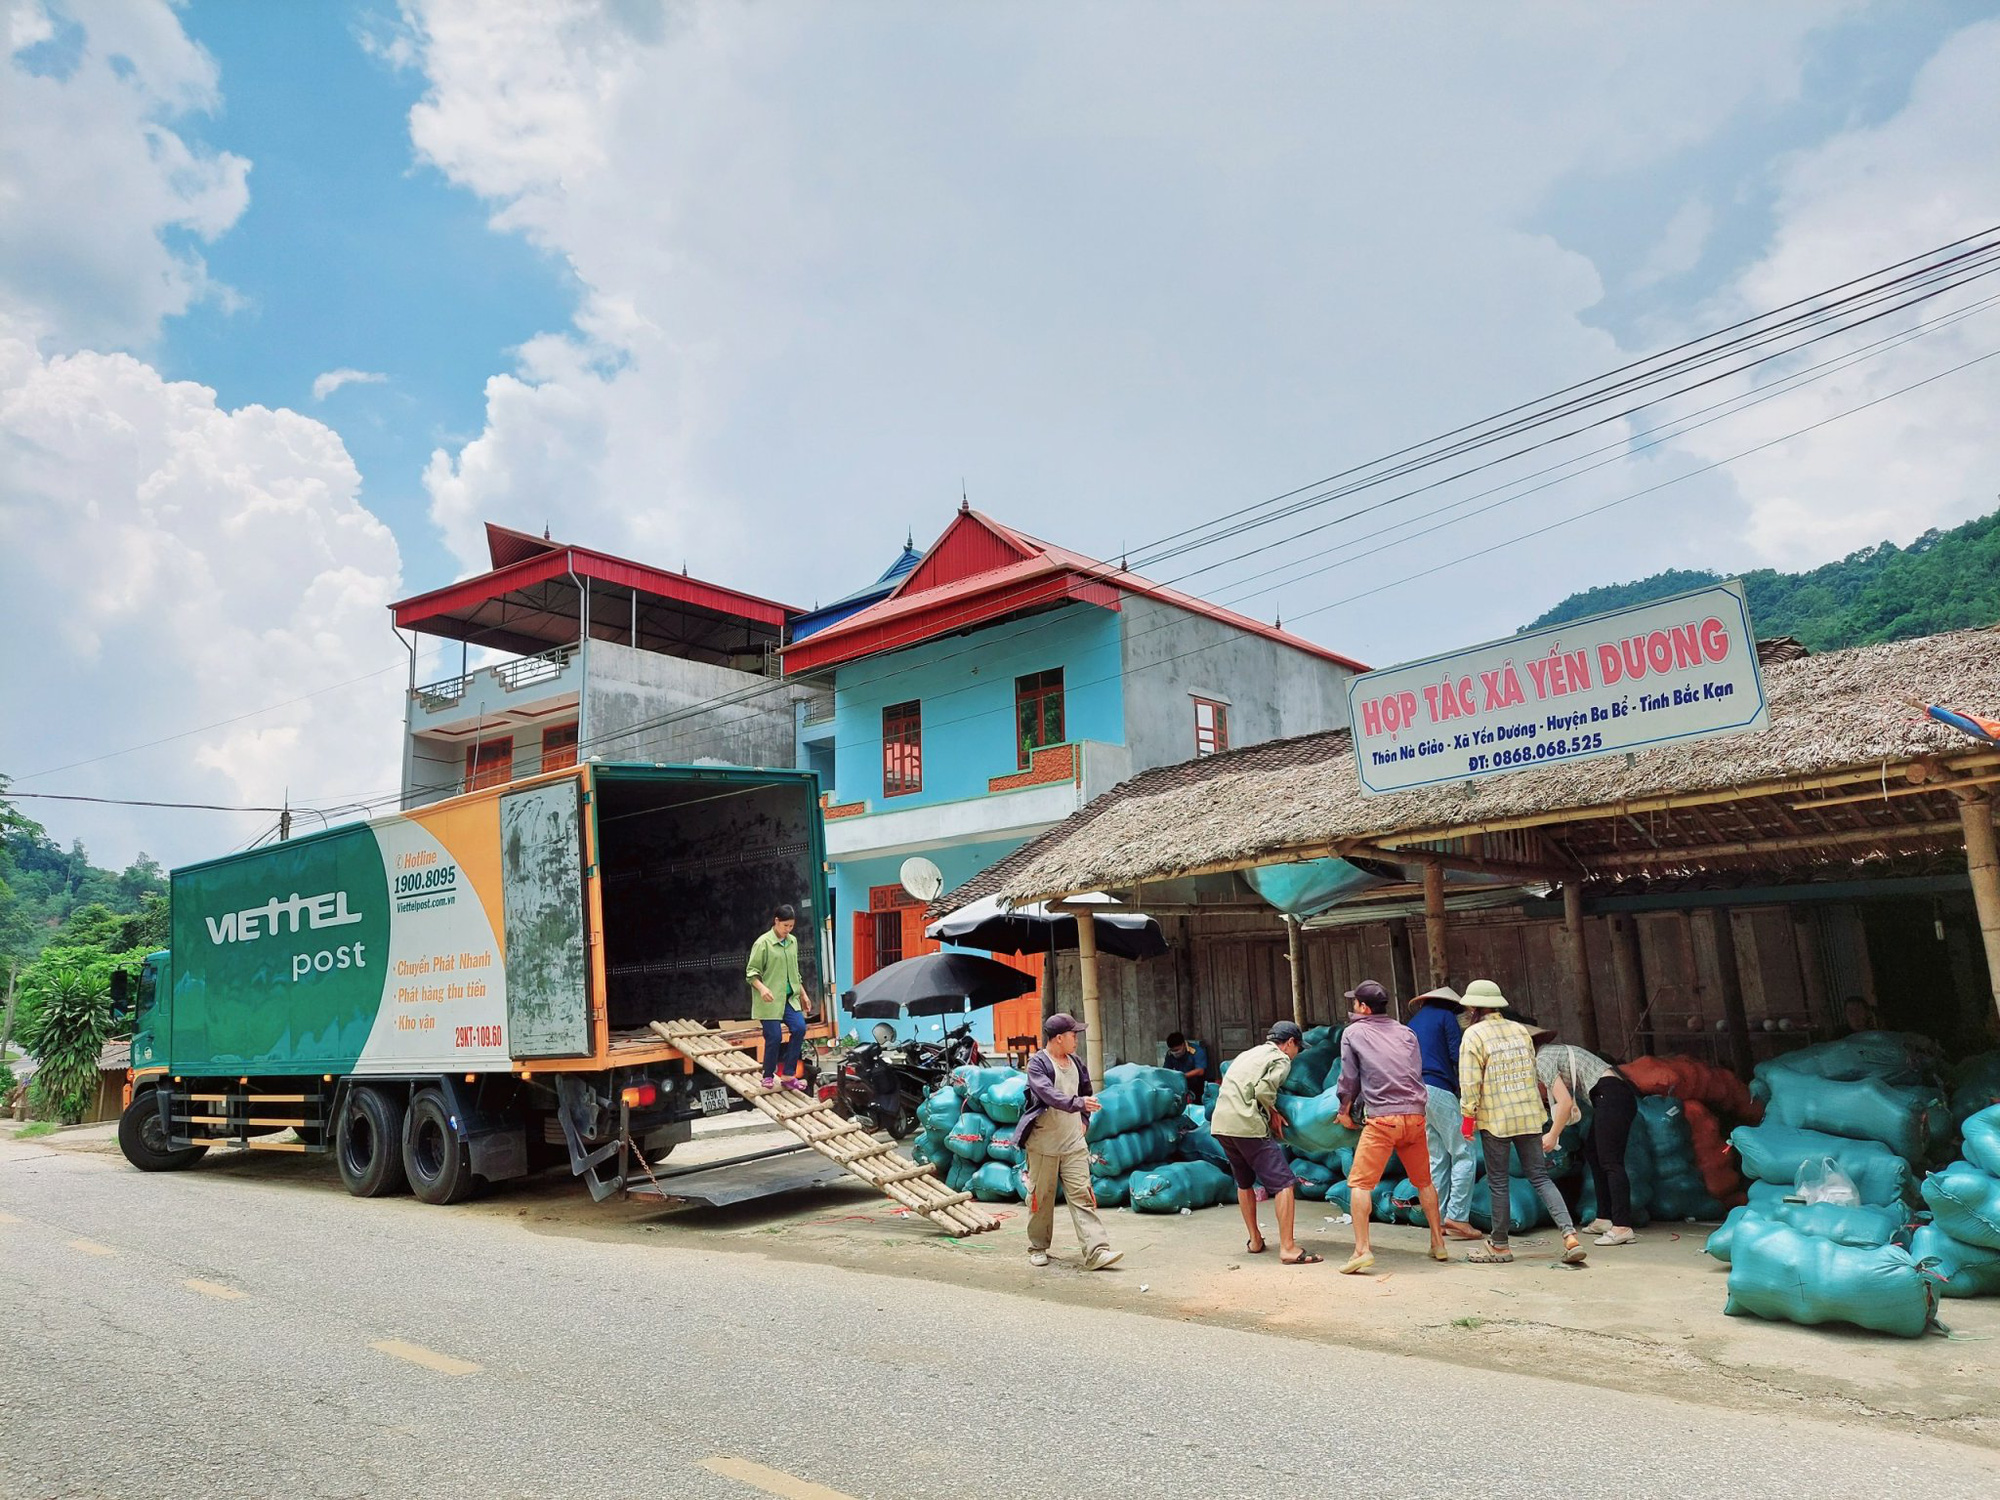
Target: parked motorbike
x,y
884,1080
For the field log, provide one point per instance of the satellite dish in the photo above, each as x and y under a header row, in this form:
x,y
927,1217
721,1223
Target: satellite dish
x,y
921,878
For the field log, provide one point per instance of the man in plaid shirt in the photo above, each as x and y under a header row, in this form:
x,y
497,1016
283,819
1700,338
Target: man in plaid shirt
x,y
1500,1095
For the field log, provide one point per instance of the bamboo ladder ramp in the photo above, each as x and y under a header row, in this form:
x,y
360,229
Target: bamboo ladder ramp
x,y
878,1163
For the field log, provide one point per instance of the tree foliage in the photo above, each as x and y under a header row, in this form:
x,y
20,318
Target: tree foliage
x,y
55,897
1944,580
66,1018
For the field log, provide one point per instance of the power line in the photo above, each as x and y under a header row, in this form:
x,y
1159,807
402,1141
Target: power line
x,y
11,794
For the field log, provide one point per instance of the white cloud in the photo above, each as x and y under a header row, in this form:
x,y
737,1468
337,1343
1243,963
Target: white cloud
x,y
1865,198
326,384
172,564
1678,249
94,179
1118,271
167,564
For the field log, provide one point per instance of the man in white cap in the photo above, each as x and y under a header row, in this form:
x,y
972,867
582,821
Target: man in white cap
x,y
1499,1093
1434,1017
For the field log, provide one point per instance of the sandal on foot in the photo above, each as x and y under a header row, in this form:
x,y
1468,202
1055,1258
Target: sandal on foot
x,y
1308,1259
1573,1251
1357,1263
1439,1253
1251,1247
1486,1255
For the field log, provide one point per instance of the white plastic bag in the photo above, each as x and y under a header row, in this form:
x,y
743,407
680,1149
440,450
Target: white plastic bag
x,y
1822,1181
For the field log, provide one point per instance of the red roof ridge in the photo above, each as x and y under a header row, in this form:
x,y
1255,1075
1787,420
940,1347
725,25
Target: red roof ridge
x,y
988,570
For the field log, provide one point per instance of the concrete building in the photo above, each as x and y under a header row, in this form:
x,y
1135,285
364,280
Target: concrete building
x,y
603,656
998,686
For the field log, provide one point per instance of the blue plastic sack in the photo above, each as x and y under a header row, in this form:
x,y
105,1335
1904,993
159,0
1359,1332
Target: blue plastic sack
x,y
1774,1153
1724,1235
1975,1085
1198,1144
1966,1202
940,1111
1175,1185
1905,1117
998,1182
968,1139
1963,1270
1525,1209
1003,1101
1000,1146
958,1177
929,1146
1891,1056
1778,1272
1314,1070
1111,1191
1381,1202
1127,1106
1159,1078
1314,1122
1119,1155
1677,1190
974,1081
1981,1140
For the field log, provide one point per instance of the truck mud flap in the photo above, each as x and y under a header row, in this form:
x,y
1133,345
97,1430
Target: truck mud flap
x,y
574,1108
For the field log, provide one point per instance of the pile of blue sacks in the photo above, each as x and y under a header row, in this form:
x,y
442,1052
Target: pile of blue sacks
x,y
1835,1230
1149,1147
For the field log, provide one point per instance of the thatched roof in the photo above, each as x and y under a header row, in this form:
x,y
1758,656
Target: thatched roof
x,y
1840,715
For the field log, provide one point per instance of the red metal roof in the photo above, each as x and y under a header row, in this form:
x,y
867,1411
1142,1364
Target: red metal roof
x,y
521,562
980,571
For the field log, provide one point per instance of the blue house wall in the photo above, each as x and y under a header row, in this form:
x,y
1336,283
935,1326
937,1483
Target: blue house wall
x,y
966,686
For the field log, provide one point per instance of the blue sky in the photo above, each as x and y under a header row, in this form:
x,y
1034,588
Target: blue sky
x,y
352,256
757,288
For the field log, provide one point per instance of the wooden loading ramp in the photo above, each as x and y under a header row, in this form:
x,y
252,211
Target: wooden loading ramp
x,y
878,1163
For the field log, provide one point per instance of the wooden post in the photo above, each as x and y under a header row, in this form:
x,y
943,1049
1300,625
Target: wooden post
x,y
1579,967
1093,1032
1292,958
1434,921
1731,980
1982,864
1631,978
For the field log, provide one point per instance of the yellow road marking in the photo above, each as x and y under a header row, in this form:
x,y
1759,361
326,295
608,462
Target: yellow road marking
x,y
770,1481
215,1289
430,1359
91,1247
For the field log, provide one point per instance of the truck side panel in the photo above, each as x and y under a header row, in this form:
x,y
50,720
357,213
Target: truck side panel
x,y
365,949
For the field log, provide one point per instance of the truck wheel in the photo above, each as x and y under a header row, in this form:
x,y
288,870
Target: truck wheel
x,y
437,1161
368,1144
143,1138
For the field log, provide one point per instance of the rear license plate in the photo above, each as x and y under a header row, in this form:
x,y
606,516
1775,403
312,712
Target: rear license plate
x,y
714,1101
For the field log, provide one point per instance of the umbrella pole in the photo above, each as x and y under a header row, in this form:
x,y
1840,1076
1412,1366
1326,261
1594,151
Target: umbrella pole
x,y
1093,1033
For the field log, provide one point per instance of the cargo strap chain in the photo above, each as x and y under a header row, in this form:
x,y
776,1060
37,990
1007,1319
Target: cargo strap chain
x,y
878,1163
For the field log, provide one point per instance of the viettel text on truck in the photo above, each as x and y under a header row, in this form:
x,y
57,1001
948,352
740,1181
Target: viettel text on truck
x,y
462,993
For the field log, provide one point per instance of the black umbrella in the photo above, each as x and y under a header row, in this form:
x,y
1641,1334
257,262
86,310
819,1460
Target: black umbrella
x,y
935,984
1036,929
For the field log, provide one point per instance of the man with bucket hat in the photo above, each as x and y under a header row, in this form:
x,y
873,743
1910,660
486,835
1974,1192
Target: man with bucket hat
x,y
1499,1094
1051,1138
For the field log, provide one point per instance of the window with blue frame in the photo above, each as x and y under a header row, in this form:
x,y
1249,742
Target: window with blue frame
x,y
1038,712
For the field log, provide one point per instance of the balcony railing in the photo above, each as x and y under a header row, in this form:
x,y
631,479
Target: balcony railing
x,y
520,672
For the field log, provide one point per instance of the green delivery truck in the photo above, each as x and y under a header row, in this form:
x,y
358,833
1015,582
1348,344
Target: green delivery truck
x,y
463,993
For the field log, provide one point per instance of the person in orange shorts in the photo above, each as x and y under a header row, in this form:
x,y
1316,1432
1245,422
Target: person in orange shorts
x,y
1382,1066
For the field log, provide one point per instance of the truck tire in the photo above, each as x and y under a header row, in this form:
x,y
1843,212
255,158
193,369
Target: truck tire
x,y
143,1138
368,1144
436,1160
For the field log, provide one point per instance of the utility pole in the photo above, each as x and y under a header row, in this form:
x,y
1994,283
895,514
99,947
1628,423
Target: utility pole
x,y
285,819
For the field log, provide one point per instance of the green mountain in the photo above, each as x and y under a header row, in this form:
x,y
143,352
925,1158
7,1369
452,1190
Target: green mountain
x,y
1944,580
52,897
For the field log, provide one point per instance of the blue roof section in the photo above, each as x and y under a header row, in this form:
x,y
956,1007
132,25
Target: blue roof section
x,y
852,604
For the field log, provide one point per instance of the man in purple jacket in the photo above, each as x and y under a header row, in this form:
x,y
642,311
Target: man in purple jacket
x,y
1382,1066
1051,1135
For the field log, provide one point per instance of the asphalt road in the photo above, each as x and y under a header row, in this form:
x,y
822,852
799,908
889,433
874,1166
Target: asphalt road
x,y
224,1332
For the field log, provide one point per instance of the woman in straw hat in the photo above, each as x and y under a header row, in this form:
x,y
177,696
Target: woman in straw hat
x,y
1499,1094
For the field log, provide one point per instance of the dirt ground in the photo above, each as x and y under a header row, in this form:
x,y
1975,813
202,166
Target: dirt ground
x,y
1644,1318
